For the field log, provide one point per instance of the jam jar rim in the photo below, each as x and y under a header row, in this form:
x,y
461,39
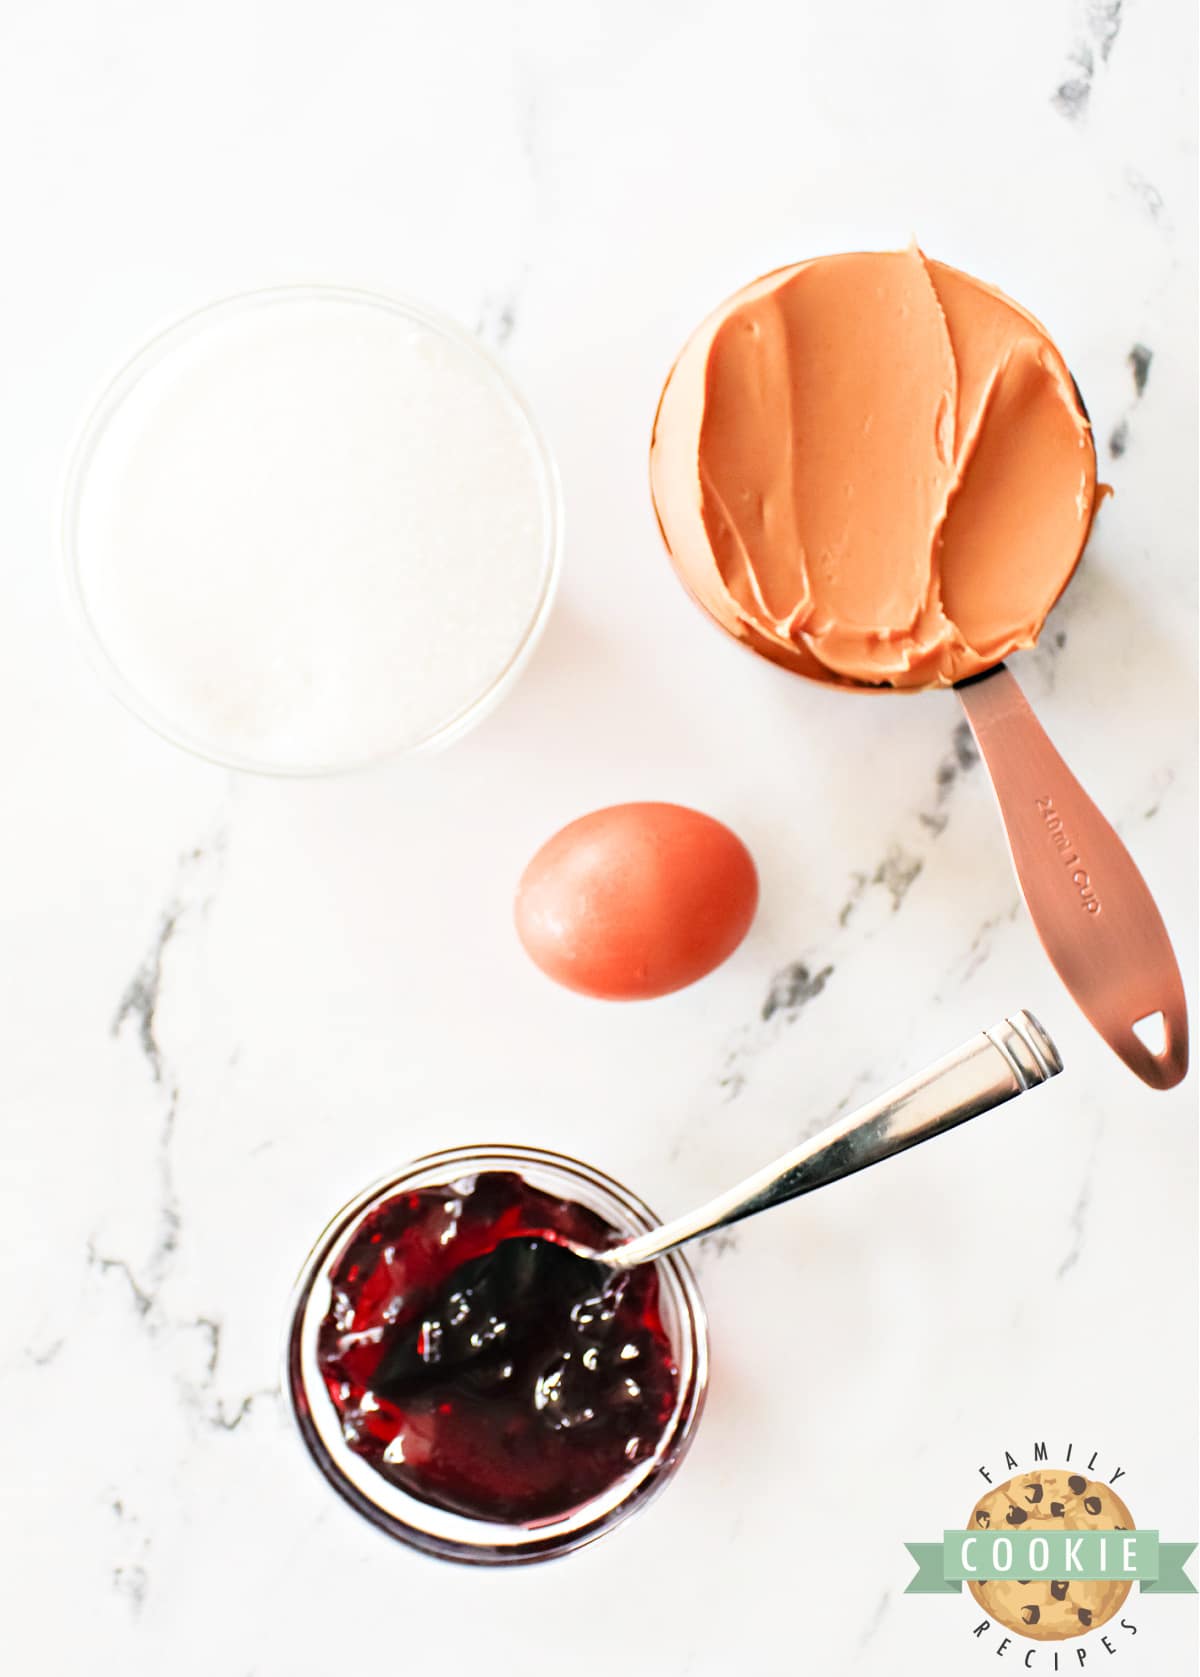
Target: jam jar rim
x,y
422,1525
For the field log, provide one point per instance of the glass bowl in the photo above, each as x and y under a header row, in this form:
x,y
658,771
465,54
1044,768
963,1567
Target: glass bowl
x,y
438,1531
175,352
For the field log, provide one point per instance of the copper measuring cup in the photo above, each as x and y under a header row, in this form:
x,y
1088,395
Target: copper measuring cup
x,y
1089,904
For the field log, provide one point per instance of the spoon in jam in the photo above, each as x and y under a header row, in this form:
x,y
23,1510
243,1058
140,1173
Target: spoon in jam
x,y
999,1064
479,1315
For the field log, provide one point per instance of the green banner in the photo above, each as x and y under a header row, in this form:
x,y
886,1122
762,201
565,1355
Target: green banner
x,y
1138,1556
930,1578
1172,1579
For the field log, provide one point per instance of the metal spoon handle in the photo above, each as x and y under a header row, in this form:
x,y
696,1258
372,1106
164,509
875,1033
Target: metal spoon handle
x,y
991,1068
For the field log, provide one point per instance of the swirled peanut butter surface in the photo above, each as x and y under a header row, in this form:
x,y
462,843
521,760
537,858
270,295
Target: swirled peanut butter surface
x,y
875,470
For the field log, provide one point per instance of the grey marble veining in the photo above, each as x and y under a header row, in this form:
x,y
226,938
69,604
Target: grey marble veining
x,y
230,1003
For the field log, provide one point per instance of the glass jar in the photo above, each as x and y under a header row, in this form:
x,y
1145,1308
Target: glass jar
x,y
185,665
439,1531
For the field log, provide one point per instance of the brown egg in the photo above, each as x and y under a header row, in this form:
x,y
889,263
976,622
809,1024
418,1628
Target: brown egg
x,y
636,900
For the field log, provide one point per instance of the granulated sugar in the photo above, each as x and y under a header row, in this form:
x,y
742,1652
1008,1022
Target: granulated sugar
x,y
314,529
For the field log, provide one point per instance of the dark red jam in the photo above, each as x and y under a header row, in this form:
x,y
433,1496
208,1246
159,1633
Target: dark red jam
x,y
485,1368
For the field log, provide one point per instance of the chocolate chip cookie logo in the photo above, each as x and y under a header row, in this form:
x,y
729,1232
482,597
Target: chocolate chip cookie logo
x,y
1050,1610
1051,1555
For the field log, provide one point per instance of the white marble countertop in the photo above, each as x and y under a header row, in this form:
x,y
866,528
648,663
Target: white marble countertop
x,y
230,1002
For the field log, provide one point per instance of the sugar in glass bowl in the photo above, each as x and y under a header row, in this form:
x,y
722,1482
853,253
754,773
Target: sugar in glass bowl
x,y
309,528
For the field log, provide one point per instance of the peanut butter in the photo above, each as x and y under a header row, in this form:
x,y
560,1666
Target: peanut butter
x,y
875,470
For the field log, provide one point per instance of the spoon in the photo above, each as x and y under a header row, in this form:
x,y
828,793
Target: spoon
x,y
478,1315
997,1065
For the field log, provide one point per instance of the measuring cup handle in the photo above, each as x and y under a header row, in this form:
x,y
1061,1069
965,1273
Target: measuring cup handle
x,y
1089,904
